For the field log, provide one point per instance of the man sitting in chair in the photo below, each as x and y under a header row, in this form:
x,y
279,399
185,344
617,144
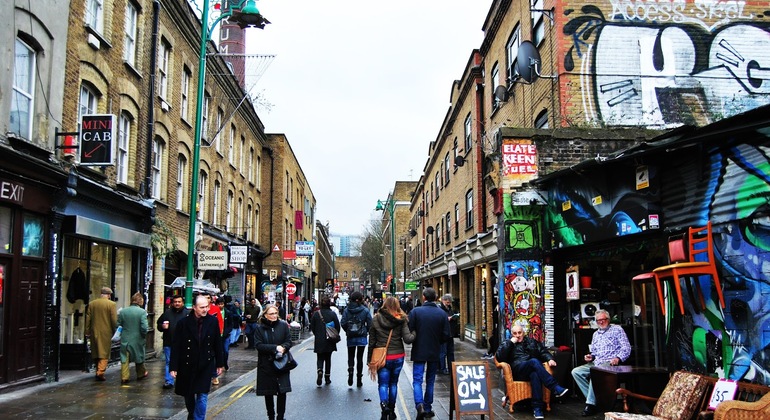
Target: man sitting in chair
x,y
609,346
526,357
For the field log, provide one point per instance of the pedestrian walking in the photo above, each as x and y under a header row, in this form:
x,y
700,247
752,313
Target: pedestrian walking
x,y
431,328
133,321
196,351
166,325
447,355
356,321
273,339
322,346
234,308
227,329
390,318
251,316
216,312
101,323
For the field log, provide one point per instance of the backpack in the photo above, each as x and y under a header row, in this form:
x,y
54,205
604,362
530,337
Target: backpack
x,y
355,327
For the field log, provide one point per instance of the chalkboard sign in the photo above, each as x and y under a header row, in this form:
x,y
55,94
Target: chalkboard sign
x,y
472,385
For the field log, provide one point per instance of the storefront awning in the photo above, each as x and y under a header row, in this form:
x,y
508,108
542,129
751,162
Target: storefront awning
x,y
95,229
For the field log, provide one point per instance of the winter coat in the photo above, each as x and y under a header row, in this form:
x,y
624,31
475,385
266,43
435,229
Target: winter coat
x,y
382,324
516,353
133,337
268,336
431,326
360,313
318,327
194,358
173,317
101,323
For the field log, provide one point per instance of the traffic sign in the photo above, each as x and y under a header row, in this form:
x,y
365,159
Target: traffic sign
x,y
291,288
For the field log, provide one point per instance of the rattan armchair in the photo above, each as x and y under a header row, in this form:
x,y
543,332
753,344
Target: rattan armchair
x,y
743,410
516,391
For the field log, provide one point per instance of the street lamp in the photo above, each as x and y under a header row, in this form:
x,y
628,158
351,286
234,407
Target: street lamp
x,y
390,206
245,14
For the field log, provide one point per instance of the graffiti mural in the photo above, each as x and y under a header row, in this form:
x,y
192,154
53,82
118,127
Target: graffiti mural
x,y
661,64
522,288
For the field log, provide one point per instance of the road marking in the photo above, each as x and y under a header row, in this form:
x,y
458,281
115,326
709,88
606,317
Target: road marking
x,y
235,396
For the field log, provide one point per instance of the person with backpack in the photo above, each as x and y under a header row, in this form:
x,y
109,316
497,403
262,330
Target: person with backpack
x,y
356,321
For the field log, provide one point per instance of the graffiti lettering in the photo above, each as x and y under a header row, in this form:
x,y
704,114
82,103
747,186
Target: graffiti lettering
x,y
708,14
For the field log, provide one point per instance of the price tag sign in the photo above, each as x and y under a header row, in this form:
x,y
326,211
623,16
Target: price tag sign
x,y
724,390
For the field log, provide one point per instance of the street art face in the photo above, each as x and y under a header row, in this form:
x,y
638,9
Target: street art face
x,y
522,297
661,64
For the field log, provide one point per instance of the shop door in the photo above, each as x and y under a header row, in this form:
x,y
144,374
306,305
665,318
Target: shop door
x,y
5,268
25,321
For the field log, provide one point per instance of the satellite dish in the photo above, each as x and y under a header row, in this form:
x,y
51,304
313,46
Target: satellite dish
x,y
459,161
501,94
527,62
430,230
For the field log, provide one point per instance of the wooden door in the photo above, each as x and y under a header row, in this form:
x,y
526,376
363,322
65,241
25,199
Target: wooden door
x,y
25,323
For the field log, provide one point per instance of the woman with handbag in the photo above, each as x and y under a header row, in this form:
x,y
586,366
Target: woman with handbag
x,y
389,332
273,340
323,325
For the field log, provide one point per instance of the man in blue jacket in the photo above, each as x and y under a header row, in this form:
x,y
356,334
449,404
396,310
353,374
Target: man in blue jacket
x,y
431,328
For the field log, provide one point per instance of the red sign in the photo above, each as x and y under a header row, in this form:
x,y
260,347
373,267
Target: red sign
x,y
291,288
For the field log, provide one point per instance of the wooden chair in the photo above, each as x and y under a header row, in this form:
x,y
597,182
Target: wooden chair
x,y
700,262
682,399
516,391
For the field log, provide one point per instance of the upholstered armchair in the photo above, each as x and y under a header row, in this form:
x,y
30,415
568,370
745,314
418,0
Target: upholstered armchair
x,y
680,400
516,391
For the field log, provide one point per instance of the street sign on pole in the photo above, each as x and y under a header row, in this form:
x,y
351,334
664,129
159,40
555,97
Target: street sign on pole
x,y
291,288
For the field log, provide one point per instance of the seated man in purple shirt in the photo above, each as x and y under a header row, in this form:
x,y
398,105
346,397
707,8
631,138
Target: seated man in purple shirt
x,y
609,346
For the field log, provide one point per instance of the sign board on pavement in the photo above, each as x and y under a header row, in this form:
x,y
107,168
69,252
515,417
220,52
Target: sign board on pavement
x,y
212,260
471,390
239,254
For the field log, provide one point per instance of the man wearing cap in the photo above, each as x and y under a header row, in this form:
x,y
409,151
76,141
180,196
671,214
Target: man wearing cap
x,y
101,323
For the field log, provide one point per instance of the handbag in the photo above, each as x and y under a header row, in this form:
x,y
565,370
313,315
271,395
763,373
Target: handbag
x,y
284,362
379,355
331,333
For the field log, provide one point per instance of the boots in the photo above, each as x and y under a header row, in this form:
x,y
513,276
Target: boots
x,y
350,376
392,411
328,377
385,411
359,380
318,379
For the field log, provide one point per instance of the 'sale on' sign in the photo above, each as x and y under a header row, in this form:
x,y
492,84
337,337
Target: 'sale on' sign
x,y
472,385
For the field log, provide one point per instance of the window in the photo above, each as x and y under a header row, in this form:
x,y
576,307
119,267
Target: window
x,y
542,119
185,105
215,203
181,176
250,176
467,126
255,225
249,224
95,15
513,49
239,217
205,118
124,139
457,220
157,166
88,102
129,45
203,183
454,152
437,237
229,212
469,209
259,171
438,184
217,137
448,228
538,23
23,90
164,58
446,169
242,155
495,83
231,144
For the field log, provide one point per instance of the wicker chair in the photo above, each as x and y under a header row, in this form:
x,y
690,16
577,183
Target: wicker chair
x,y
740,410
516,391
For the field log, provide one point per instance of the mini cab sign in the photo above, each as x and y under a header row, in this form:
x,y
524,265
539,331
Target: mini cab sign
x,y
97,139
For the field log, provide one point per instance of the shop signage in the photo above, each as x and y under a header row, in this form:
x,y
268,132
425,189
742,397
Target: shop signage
x,y
304,248
471,388
11,191
239,254
212,260
97,135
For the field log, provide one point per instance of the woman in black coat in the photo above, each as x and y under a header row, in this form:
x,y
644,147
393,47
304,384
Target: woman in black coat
x,y
272,336
323,347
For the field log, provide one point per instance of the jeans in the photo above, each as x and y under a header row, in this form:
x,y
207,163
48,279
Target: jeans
x,y
582,376
447,355
167,356
356,355
196,405
534,372
418,372
387,380
250,328
235,335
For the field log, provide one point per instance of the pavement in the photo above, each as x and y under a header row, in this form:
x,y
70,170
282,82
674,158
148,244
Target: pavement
x,y
78,396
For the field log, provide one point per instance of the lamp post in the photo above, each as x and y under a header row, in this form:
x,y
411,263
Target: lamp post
x,y
390,207
245,14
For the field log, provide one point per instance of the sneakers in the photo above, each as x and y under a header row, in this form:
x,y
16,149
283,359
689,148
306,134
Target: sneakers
x,y
168,385
538,413
560,392
487,356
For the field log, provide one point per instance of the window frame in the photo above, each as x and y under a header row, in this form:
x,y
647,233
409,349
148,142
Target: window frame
x,y
28,92
468,136
158,151
164,60
203,180
122,160
181,181
469,209
512,49
131,34
94,15
184,105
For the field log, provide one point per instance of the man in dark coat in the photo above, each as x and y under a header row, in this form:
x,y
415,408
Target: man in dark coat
x,y
166,325
448,348
431,328
196,351
526,357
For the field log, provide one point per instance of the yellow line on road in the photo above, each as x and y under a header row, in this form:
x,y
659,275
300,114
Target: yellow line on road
x,y
235,396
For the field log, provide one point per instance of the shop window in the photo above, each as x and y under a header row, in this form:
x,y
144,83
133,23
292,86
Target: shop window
x,y
34,236
470,299
6,223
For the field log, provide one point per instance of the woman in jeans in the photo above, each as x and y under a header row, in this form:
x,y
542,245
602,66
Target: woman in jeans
x,y
322,346
389,318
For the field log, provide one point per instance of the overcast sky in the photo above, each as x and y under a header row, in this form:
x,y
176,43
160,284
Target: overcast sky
x,y
360,88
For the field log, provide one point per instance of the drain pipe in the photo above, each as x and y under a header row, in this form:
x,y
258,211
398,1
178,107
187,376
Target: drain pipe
x,y
151,110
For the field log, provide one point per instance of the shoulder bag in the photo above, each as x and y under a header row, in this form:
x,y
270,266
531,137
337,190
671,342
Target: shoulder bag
x,y
379,355
282,362
331,333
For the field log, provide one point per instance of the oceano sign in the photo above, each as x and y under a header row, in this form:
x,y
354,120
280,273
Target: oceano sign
x,y
212,260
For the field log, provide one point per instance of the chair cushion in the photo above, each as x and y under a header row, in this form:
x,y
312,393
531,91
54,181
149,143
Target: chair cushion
x,y
628,416
682,396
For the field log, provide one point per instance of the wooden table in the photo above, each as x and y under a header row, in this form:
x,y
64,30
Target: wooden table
x,y
644,380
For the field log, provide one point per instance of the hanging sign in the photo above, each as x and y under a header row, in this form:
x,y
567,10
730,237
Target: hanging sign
x,y
97,135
